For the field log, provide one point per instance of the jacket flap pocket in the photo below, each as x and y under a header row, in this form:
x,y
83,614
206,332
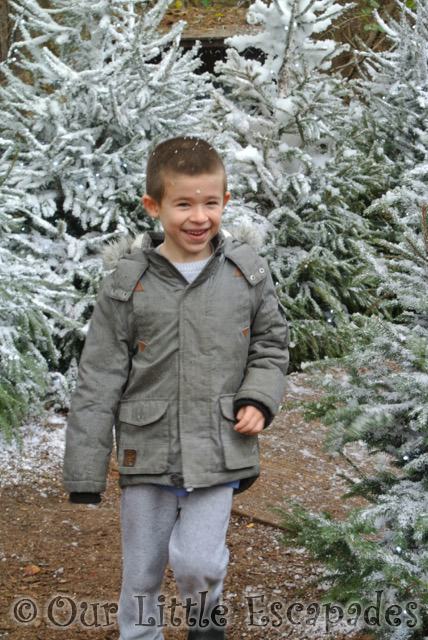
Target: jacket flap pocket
x,y
227,407
240,451
145,412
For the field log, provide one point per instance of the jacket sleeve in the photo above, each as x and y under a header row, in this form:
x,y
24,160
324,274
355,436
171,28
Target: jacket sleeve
x,y
267,363
103,374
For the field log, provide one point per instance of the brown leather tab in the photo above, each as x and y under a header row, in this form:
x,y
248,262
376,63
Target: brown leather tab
x,y
129,457
246,331
138,287
238,272
143,345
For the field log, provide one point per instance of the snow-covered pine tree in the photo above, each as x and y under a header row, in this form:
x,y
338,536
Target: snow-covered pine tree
x,y
89,87
304,163
394,83
30,295
394,87
381,399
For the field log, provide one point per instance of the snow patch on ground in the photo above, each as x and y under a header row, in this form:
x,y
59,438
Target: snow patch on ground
x,y
295,389
37,453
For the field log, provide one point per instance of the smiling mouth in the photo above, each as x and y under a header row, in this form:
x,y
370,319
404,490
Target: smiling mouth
x,y
197,233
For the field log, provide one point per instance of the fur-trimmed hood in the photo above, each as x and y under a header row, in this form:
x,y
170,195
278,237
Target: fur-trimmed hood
x,y
117,249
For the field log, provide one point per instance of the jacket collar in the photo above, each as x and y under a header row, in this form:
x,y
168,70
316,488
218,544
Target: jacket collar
x,y
246,259
164,267
131,267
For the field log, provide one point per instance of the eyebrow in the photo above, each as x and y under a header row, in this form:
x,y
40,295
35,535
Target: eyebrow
x,y
190,196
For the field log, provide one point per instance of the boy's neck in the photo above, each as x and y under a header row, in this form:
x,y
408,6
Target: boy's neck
x,y
189,258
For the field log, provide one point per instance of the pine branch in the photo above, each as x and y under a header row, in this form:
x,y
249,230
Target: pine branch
x,y
424,227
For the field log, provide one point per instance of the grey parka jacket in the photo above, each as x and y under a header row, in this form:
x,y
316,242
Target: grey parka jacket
x,y
165,361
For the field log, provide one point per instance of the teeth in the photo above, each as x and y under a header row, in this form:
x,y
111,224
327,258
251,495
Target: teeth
x,y
196,233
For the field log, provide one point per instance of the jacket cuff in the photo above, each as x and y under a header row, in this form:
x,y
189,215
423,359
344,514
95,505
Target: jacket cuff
x,y
85,497
243,402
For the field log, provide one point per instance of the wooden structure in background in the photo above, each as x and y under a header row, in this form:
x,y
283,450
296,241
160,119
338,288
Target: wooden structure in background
x,y
4,29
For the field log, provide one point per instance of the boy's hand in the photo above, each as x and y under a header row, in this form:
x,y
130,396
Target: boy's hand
x,y
250,421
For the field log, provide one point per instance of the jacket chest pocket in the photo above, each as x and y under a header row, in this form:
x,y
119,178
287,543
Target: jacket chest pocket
x,y
239,450
143,437
156,310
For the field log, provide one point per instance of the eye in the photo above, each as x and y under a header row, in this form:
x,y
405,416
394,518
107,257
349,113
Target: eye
x,y
212,203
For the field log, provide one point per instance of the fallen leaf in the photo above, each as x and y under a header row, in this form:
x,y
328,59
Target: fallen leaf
x,y
31,570
250,525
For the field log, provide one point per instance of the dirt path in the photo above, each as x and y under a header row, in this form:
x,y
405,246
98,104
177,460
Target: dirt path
x,y
53,552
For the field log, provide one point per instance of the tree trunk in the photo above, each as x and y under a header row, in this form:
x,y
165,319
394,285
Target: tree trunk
x,y
4,29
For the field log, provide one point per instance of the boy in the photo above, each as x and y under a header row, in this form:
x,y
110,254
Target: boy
x,y
186,356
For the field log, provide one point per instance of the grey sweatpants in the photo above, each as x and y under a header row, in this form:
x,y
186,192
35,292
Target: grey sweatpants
x,y
190,533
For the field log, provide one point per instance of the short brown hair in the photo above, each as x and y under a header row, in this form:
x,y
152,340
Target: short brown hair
x,y
185,155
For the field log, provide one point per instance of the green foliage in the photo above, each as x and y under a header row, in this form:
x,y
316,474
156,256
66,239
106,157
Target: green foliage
x,y
338,544
30,320
366,13
28,323
314,409
14,408
359,561
378,395
393,83
87,89
311,339
308,162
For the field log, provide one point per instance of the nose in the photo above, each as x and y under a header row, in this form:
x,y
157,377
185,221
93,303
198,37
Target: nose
x,y
198,213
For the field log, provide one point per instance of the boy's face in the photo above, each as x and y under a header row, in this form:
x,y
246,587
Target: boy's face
x,y
190,212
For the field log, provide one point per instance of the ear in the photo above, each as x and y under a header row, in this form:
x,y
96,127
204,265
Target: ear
x,y
151,206
226,198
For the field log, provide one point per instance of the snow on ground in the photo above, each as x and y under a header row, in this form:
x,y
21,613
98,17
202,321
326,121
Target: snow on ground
x,y
37,453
